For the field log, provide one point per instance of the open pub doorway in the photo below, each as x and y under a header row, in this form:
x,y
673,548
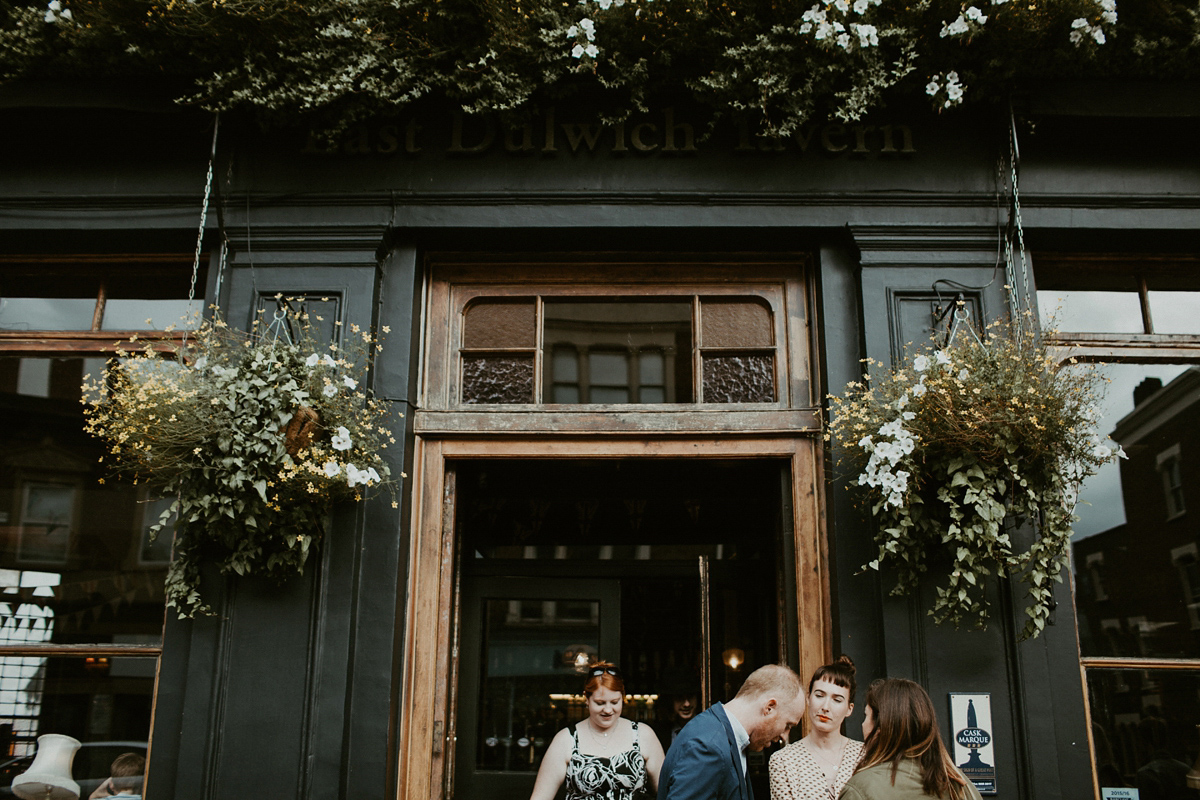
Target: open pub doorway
x,y
678,570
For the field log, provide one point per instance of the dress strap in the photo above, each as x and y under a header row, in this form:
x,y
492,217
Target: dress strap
x,y
575,738
637,740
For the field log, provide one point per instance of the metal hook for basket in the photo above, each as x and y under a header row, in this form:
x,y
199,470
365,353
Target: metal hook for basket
x,y
280,327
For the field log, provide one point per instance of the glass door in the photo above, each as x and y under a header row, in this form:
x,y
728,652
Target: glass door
x,y
529,642
674,569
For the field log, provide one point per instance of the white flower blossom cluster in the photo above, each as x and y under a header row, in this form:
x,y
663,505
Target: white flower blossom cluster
x,y
953,89
971,19
880,471
587,29
55,12
341,442
824,23
1082,29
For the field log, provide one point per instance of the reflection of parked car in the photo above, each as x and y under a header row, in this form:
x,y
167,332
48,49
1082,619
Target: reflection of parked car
x,y
90,769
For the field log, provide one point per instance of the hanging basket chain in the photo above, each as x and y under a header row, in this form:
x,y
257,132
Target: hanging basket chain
x,y
1018,296
208,183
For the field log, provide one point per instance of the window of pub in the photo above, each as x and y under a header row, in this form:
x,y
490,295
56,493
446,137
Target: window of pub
x,y
1135,563
81,579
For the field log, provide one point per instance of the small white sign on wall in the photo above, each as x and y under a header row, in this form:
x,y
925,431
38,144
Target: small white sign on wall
x,y
971,731
1113,793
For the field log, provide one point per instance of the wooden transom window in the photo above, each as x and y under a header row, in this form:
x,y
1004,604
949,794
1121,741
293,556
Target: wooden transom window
x,y
590,336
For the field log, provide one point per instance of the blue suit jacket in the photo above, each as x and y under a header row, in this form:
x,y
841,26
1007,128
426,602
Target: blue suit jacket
x,y
703,762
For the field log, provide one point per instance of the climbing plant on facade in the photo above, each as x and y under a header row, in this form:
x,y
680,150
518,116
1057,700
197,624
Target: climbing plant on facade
x,y
335,62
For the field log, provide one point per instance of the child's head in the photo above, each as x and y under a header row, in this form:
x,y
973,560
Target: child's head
x,y
127,771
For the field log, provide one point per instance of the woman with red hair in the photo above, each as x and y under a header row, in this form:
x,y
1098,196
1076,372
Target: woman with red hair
x,y
604,756
904,757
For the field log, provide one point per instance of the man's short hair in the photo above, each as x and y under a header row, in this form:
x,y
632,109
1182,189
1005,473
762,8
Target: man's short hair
x,y
777,680
127,771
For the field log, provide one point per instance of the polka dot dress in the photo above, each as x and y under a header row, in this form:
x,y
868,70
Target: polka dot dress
x,y
796,773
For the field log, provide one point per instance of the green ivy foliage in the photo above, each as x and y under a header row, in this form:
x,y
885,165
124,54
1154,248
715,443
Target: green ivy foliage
x,y
331,63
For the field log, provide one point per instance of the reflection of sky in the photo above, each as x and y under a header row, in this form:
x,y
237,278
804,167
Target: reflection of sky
x,y
1101,506
1090,312
1174,312
75,314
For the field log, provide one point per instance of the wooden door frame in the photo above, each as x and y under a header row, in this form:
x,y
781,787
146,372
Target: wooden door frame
x,y
430,647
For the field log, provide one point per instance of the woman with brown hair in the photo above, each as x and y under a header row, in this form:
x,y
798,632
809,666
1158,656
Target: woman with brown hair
x,y
904,758
818,766
603,756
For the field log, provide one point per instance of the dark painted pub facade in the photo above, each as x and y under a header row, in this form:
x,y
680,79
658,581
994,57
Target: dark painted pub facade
x,y
611,347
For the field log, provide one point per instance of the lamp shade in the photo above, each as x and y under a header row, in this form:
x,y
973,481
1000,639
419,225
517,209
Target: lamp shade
x,y
49,776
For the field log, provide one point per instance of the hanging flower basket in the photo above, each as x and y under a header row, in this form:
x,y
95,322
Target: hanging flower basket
x,y
956,449
255,436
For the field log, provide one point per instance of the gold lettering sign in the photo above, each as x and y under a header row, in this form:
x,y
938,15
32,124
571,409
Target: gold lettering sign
x,y
464,135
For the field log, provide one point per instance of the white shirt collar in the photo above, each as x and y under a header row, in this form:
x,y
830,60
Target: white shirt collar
x,y
740,736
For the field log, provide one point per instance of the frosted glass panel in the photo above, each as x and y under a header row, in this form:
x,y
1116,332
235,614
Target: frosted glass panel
x,y
739,379
497,379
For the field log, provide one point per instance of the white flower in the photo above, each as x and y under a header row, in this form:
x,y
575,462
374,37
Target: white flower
x,y
1121,452
902,402
1080,23
841,5
604,4
592,50
577,51
860,6
331,469
572,31
866,443
349,382
330,390
918,390
963,374
312,360
806,27
843,41
952,76
954,93
868,36
1098,35
976,15
66,14
921,363
941,358
341,439
955,28
328,361
354,475
932,88
372,474
908,415
589,28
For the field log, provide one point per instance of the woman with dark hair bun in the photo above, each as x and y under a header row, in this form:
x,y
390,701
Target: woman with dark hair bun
x,y
603,756
905,758
818,766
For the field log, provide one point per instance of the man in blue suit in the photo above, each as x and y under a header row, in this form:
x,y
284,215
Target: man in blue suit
x,y
707,760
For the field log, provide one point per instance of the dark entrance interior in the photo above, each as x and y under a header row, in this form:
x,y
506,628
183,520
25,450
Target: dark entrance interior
x,y
674,569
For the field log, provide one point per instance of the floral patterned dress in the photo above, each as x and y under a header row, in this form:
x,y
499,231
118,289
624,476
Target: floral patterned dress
x,y
619,777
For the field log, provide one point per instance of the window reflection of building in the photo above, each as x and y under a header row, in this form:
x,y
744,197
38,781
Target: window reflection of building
x,y
616,352
1156,536
81,585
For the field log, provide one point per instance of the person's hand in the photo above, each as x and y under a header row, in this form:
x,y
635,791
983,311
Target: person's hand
x,y
103,791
